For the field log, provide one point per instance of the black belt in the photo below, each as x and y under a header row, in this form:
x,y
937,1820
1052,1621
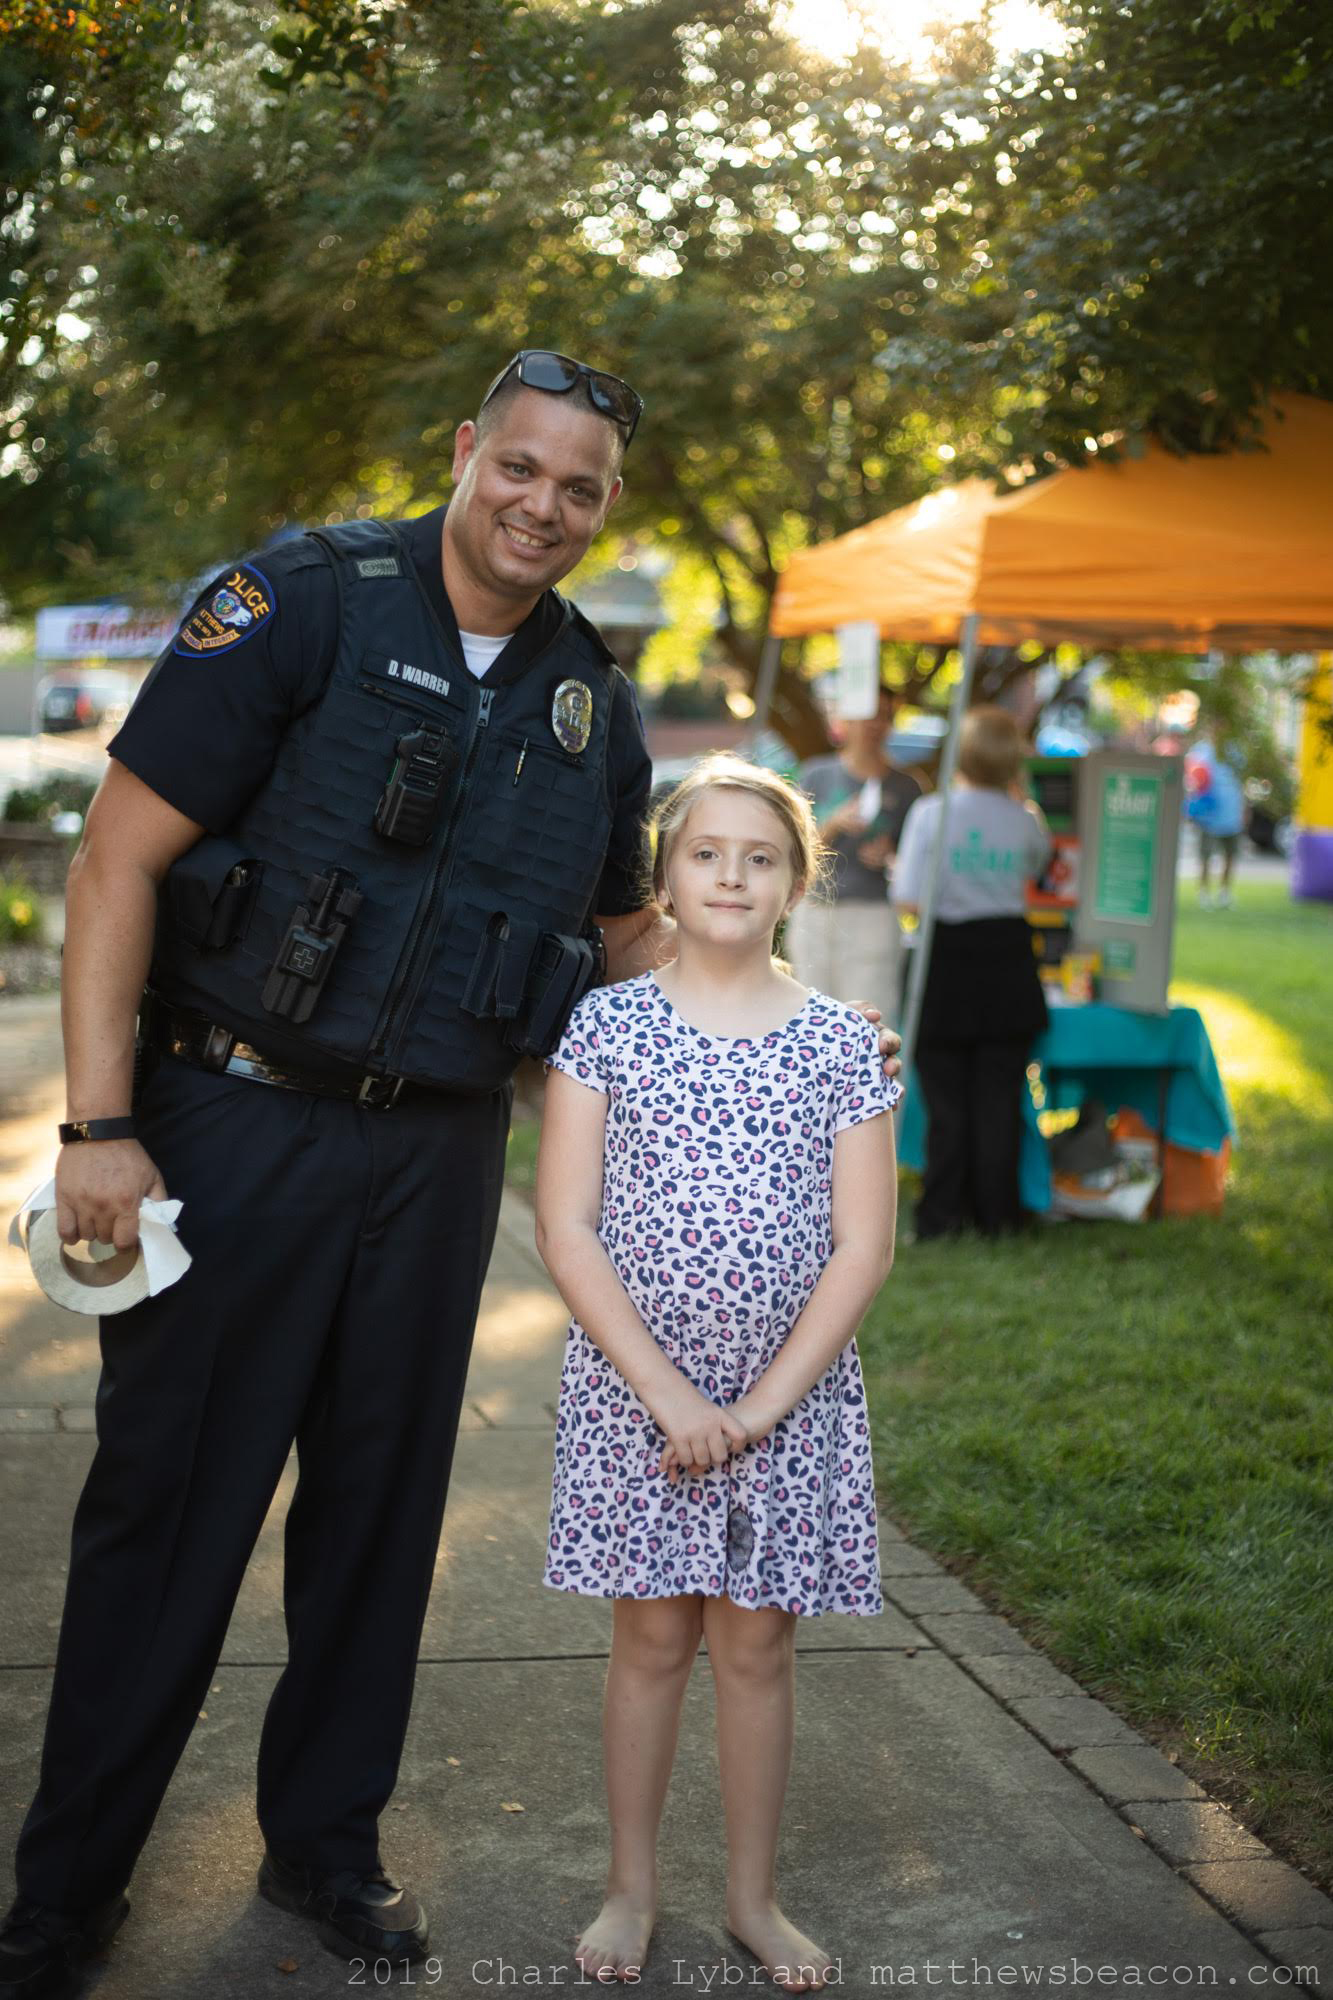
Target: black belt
x,y
206,1045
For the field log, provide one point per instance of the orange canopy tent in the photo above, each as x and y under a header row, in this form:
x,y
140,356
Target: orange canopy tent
x,y
1233,551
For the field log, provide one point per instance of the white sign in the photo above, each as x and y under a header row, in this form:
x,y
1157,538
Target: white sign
x,y
103,632
858,671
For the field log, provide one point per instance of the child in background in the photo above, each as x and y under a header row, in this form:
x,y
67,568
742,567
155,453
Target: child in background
x,y
716,1192
983,1006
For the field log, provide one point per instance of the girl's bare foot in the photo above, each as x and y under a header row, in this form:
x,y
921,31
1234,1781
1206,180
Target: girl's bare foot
x,y
617,1938
792,1959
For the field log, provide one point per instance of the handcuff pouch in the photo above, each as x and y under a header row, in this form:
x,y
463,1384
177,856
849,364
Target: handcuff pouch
x,y
532,980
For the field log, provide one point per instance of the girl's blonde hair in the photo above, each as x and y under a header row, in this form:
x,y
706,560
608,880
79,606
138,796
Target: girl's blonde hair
x,y
722,769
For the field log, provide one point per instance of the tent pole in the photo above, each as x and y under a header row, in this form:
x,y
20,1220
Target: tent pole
x,y
916,977
765,681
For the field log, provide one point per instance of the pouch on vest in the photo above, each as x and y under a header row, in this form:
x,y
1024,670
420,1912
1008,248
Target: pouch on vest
x,y
563,969
498,979
530,979
314,938
211,892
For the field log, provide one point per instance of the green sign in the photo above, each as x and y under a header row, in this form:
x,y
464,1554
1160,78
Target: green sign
x,y
1119,957
1131,820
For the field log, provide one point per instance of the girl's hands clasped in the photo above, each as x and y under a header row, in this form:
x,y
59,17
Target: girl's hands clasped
x,y
699,1434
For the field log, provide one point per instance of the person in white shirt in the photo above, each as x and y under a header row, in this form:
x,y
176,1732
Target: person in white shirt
x,y
983,1005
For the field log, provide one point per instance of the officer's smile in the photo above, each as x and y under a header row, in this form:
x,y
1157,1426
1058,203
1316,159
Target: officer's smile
x,y
526,544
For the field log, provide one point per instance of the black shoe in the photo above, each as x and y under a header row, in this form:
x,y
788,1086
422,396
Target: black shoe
x,y
41,1949
359,1916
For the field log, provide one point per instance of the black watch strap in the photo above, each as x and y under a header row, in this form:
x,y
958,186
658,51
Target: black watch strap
x,y
96,1128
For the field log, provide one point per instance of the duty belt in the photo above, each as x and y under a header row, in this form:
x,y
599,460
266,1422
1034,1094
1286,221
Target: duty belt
x,y
207,1045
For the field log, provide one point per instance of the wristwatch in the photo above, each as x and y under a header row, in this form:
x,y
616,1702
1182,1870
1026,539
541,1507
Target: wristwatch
x,y
96,1128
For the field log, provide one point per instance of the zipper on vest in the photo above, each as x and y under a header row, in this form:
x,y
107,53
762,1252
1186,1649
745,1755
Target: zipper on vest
x,y
401,992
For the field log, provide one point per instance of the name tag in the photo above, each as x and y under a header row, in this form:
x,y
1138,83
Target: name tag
x,y
407,677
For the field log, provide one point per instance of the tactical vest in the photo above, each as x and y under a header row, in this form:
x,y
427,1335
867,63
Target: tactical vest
x,y
410,890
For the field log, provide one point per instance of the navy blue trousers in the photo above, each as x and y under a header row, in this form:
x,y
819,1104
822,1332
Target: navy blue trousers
x,y
339,1255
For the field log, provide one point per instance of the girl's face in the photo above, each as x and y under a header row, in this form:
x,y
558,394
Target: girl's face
x,y
729,873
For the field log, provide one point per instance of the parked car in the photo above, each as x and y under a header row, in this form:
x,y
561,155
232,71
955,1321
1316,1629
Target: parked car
x,y
918,745
84,698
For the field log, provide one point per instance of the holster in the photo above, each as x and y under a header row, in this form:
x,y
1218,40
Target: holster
x,y
532,980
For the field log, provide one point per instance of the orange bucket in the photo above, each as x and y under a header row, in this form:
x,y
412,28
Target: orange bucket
x,y
1192,1183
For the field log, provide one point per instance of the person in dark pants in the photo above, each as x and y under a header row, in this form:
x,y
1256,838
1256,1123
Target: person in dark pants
x,y
326,1274
983,1005
342,871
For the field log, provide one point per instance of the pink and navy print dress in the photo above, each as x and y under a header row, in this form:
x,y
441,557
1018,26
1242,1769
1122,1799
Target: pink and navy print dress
x,y
717,1215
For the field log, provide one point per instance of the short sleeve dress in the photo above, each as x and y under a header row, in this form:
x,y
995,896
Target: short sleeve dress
x,y
717,1215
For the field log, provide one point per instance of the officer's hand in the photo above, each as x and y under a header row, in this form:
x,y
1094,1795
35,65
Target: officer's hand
x,y
99,1185
889,1043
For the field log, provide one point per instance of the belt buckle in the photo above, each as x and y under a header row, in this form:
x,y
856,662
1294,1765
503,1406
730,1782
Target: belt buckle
x,y
218,1045
372,1087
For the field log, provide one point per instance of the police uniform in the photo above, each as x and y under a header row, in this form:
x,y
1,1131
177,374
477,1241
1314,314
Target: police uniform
x,y
392,901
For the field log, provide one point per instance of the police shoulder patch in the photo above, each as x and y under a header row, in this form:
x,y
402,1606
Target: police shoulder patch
x,y
233,611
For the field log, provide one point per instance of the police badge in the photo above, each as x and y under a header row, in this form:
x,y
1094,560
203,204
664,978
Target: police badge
x,y
571,715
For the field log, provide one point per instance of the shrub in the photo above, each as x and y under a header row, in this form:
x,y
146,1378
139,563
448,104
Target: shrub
x,y
20,912
39,804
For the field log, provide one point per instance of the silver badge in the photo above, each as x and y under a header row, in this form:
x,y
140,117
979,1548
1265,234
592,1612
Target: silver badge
x,y
571,715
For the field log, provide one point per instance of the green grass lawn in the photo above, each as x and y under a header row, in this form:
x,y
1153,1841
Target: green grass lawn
x,y
1121,1435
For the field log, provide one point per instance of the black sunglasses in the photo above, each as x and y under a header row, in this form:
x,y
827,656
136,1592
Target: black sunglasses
x,y
540,368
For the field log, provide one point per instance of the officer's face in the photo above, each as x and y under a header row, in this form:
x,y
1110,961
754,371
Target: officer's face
x,y
532,493
729,873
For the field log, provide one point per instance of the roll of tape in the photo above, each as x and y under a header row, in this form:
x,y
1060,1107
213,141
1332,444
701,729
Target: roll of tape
x,y
113,1280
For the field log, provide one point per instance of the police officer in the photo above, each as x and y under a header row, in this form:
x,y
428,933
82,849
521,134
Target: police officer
x,y
370,829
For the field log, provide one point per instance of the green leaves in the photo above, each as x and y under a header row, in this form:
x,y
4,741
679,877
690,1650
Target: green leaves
x,y
343,45
315,232
1155,197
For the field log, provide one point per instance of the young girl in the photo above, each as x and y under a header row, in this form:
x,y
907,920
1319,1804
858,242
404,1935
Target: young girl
x,y
716,1191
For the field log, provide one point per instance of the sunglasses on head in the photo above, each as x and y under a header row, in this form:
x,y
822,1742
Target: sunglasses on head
x,y
540,368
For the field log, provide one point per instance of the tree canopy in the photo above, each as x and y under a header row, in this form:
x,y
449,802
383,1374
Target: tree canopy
x,y
260,261
1151,231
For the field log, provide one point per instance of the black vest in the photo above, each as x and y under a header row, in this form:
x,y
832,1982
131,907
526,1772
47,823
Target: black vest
x,y
456,935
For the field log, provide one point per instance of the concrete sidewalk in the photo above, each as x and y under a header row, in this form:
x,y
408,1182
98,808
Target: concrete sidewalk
x,y
957,1805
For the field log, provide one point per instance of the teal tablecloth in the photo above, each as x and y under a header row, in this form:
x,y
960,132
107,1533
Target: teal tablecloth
x,y
1107,1052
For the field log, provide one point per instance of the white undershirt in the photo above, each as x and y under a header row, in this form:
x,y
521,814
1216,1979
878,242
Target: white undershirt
x,y
481,650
